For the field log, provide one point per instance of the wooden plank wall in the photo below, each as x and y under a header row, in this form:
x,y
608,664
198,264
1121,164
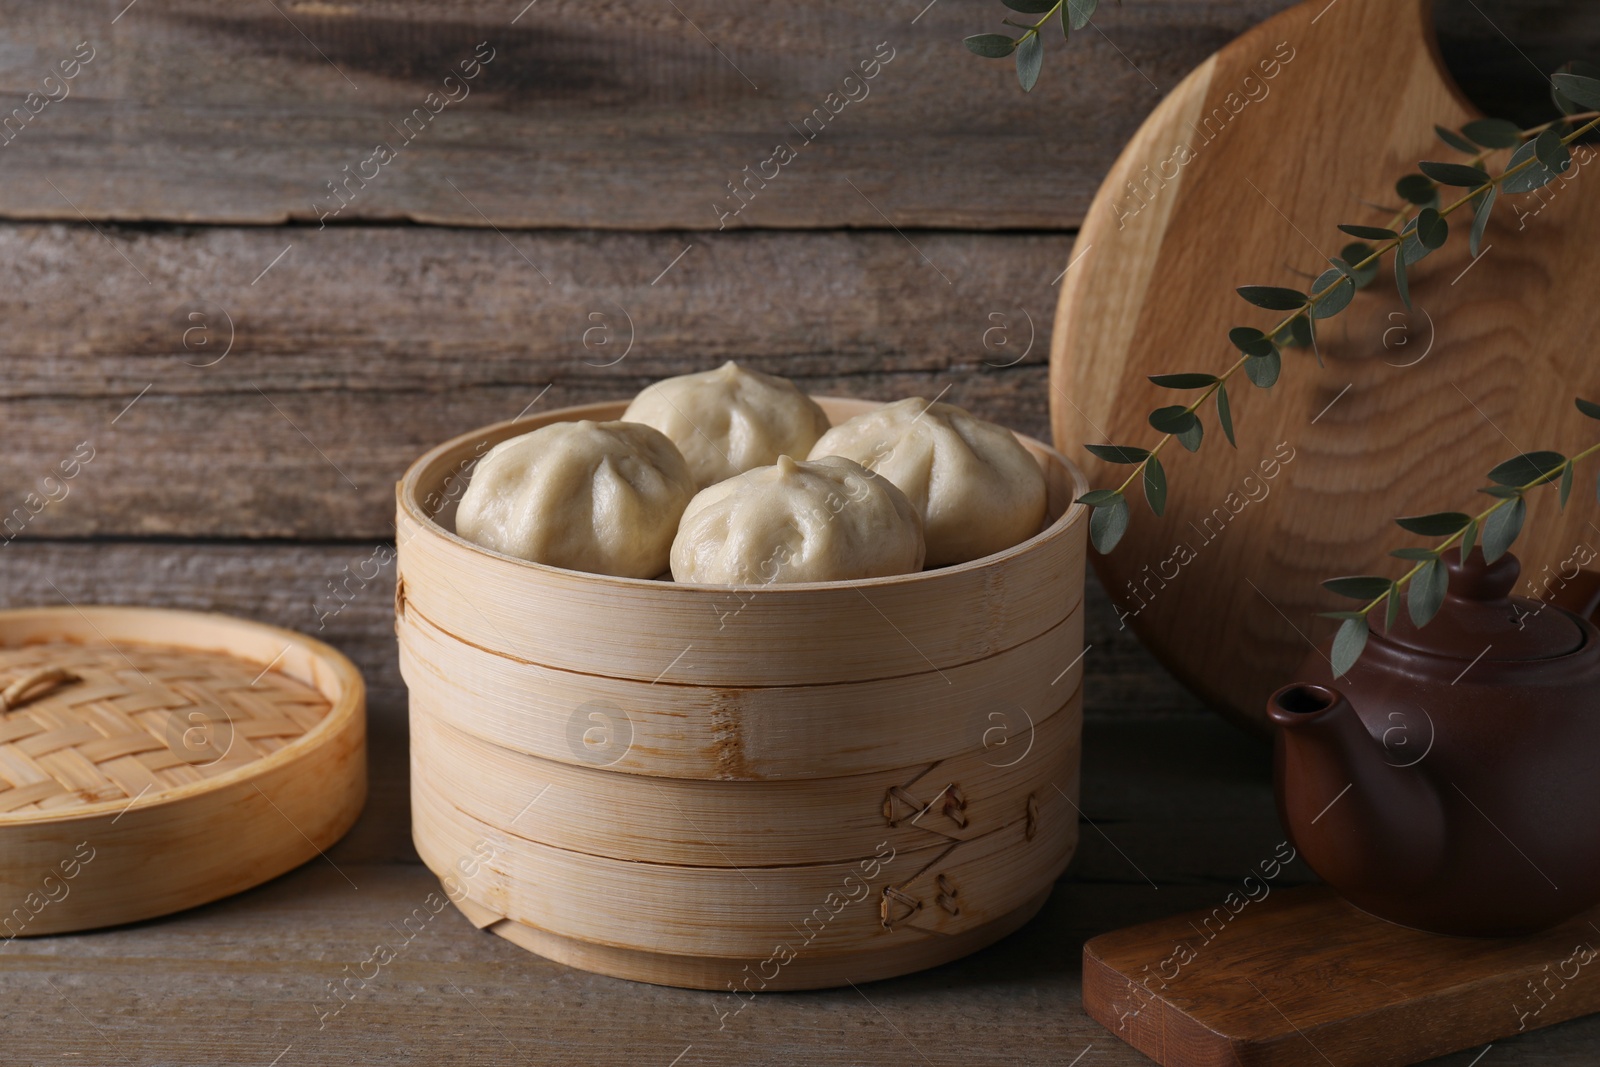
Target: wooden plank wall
x,y
236,319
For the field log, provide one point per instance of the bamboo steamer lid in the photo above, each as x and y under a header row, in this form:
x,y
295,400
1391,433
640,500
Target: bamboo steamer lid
x,y
155,760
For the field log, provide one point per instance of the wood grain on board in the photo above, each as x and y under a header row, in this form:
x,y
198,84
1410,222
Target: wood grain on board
x,y
611,116
362,348
1300,978
1410,409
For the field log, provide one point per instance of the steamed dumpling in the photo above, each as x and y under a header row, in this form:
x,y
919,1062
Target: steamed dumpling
x,y
820,521
977,489
603,497
730,420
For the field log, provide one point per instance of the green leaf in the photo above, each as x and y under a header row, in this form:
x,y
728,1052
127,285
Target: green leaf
x,y
1454,174
1566,484
1251,341
1302,333
1588,407
1273,297
1192,437
1225,414
1108,523
1500,492
1551,152
1370,233
1119,453
1096,497
1263,370
1354,253
1536,176
1391,609
1432,228
1358,587
1334,291
1468,538
1174,419
1480,218
1528,467
1030,7
1030,57
1079,12
1438,524
1501,528
1427,592
1347,645
1565,104
1184,381
1411,243
990,45
1401,286
1491,133
1155,486
1414,554
1456,141
1417,189
1582,91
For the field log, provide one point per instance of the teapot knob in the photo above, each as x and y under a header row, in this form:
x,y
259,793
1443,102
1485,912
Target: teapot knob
x,y
1476,579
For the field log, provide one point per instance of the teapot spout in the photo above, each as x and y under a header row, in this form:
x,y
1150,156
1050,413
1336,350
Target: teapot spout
x,y
1363,821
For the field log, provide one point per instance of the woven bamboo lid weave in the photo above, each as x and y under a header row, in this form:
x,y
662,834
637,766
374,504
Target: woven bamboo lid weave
x,y
153,760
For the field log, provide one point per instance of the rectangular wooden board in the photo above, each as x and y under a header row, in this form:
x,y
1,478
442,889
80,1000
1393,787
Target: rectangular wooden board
x,y
1299,978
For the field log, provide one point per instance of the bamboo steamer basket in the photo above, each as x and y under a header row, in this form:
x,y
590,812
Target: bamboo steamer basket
x,y
155,760
680,783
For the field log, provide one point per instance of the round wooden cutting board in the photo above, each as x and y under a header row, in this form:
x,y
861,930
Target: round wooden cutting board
x,y
1240,177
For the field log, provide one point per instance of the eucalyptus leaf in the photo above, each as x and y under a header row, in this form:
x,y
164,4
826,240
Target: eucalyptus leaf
x,y
1565,104
1251,341
1582,91
1566,484
1030,7
1432,228
1273,297
1417,189
1427,592
1347,645
1334,291
1526,468
990,45
1490,133
1173,419
1119,453
1391,609
1079,12
1469,538
1225,414
1551,152
1456,141
1500,492
1302,332
1192,437
1184,381
1030,57
1588,407
1108,523
1500,529
1263,370
1354,253
1358,586
1535,176
1370,233
1155,486
1096,497
1438,524
1412,245
1454,174
1401,285
1480,218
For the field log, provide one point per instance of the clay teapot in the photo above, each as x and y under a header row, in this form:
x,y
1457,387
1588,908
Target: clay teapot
x,y
1450,781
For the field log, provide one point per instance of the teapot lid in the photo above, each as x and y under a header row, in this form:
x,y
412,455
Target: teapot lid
x,y
1480,619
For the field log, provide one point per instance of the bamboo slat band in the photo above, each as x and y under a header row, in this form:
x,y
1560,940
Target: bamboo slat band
x,y
33,685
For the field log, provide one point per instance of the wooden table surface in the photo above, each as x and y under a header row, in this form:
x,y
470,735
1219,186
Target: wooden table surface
x,y
250,384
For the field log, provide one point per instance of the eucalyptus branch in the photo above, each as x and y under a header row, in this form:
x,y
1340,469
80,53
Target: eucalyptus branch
x,y
1499,524
1540,155
1029,48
